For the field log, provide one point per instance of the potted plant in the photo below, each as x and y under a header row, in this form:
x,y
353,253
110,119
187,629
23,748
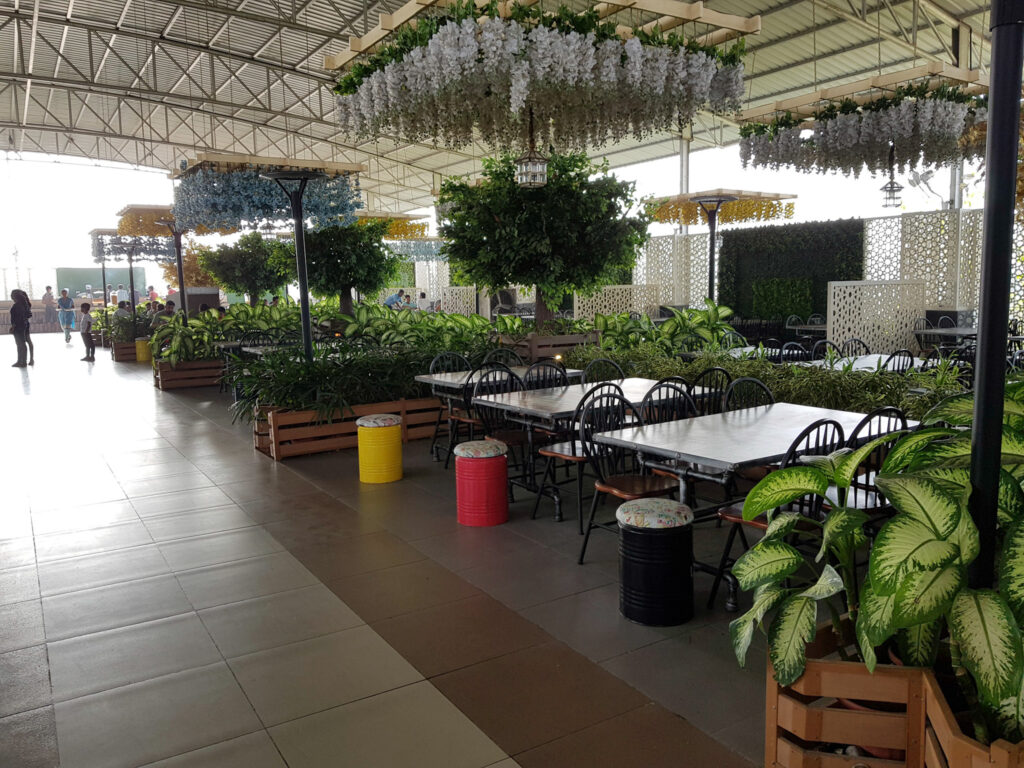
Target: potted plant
x,y
124,332
186,355
914,601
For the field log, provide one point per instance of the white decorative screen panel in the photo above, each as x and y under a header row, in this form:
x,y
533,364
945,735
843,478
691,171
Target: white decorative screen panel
x,y
879,312
930,251
431,277
459,299
616,299
883,240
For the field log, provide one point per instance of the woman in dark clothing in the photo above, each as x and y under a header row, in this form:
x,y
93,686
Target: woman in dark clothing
x,y
20,314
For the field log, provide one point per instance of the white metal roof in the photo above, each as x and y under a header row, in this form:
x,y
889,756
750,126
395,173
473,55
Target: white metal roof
x,y
153,82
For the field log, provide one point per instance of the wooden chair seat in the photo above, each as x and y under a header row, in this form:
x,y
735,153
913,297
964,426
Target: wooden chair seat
x,y
565,451
735,516
515,437
629,487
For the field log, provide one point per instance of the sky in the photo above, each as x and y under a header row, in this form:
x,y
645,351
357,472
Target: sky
x,y
51,203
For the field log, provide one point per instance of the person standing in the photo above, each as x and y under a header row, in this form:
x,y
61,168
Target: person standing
x,y
21,311
66,314
395,301
49,306
122,292
152,294
85,325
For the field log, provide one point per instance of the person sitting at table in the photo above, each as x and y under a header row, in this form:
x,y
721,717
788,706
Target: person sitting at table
x,y
163,315
423,303
395,300
122,310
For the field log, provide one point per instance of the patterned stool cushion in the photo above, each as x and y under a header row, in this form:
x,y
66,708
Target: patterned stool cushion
x,y
654,513
379,420
481,449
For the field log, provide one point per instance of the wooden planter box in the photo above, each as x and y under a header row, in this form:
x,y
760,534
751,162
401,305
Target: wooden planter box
x,y
196,373
802,720
537,347
123,352
297,433
261,428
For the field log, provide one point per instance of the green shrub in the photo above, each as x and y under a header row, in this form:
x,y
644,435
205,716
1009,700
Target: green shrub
x,y
779,297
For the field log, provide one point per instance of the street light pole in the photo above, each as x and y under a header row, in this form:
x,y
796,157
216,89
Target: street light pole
x,y
996,254
710,206
182,296
295,194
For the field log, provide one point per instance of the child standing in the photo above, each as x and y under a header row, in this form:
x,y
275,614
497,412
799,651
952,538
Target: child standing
x,y
85,325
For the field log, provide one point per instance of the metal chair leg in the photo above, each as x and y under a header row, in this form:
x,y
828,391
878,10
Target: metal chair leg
x,y
437,432
590,526
543,482
453,436
723,563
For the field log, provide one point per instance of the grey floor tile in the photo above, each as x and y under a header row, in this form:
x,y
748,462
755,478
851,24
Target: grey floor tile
x,y
180,466
298,679
69,575
117,605
81,518
414,725
468,547
17,552
110,659
24,680
203,521
285,617
21,625
180,501
136,487
19,584
254,750
29,740
244,579
77,543
213,548
153,720
15,524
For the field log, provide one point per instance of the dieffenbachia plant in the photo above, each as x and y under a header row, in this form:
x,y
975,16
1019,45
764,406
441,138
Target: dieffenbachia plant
x,y
915,593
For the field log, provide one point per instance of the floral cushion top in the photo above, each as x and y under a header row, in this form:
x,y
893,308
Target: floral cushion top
x,y
654,513
379,420
481,449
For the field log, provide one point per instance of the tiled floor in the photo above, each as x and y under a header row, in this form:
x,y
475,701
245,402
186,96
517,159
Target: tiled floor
x,y
169,597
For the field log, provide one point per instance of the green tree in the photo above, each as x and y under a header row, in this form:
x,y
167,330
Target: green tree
x,y
576,233
252,266
339,259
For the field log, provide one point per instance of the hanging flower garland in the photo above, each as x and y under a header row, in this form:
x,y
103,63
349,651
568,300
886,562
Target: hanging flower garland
x,y
401,229
241,199
690,214
471,74
142,248
426,249
144,224
928,127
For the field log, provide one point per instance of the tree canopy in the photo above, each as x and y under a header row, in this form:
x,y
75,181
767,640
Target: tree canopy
x,y
252,266
339,259
574,234
195,275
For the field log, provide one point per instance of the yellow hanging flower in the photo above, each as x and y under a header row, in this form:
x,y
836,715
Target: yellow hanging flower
x,y
143,223
690,214
401,229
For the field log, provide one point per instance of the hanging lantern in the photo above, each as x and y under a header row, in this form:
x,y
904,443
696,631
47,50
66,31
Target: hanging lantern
x,y
532,168
891,190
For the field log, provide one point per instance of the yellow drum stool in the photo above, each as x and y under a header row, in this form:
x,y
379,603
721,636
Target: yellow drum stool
x,y
380,448
143,353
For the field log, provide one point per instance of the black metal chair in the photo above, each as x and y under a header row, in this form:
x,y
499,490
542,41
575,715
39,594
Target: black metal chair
x,y
793,352
446,362
463,413
747,392
667,401
505,356
821,349
772,350
1017,361
854,348
602,369
900,361
818,439
816,319
732,340
570,453
501,380
545,375
887,420
708,390
947,322
610,464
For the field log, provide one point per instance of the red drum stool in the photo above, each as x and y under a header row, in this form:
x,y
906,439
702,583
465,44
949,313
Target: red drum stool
x,y
481,482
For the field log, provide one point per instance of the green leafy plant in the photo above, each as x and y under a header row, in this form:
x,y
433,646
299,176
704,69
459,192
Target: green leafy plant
x,y
252,266
175,342
780,297
915,596
573,234
125,330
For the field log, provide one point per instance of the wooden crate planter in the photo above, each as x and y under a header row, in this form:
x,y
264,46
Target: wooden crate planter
x,y
297,433
123,352
196,373
261,428
539,346
801,720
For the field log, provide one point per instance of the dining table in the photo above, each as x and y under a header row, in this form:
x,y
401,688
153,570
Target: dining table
x,y
455,381
959,332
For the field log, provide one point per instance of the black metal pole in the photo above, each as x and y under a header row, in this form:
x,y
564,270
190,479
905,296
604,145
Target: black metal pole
x,y
712,214
295,196
181,276
996,253
131,280
103,277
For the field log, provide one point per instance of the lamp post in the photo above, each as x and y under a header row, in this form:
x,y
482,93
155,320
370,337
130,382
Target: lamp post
x,y
295,194
176,234
996,254
710,206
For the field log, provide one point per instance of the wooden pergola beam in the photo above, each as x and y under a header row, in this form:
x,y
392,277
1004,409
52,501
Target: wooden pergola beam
x,y
233,162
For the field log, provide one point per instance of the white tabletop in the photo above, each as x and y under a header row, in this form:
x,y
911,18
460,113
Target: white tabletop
x,y
456,380
560,402
727,441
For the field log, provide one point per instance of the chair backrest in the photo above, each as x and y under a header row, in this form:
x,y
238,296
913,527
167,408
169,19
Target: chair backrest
x,y
449,362
792,352
922,324
794,320
1017,361
667,401
544,375
816,319
505,356
713,382
821,348
469,386
1013,327
947,322
747,392
887,420
772,350
602,369
496,380
603,413
818,439
900,361
731,339
854,348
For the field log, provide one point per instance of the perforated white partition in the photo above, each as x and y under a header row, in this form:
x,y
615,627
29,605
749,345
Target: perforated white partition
x,y
615,299
431,277
458,299
879,312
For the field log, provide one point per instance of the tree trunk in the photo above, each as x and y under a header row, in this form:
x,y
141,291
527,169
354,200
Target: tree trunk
x,y
543,314
254,299
345,300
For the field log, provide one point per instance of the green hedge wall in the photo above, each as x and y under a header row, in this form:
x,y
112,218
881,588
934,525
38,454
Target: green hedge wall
x,y
820,251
